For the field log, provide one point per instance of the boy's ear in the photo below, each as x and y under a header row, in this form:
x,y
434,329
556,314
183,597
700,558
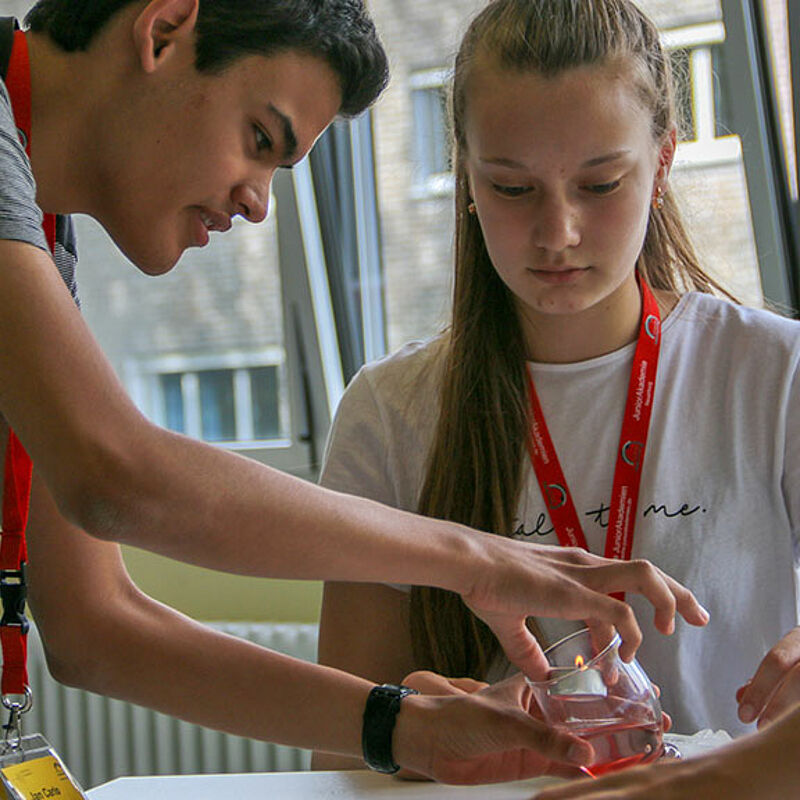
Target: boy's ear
x,y
159,26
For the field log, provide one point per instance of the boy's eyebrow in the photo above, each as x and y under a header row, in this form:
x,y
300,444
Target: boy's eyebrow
x,y
289,136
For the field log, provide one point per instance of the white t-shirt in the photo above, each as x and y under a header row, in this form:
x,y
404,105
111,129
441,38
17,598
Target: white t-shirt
x,y
719,505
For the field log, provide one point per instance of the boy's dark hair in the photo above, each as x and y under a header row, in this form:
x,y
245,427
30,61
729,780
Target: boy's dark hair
x,y
338,31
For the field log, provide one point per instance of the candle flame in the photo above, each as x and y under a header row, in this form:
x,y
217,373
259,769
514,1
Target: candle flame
x,y
579,662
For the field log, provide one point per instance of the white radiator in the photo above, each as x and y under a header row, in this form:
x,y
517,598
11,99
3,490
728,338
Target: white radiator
x,y
100,738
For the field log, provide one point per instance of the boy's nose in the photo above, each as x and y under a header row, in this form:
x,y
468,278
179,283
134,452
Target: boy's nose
x,y
252,202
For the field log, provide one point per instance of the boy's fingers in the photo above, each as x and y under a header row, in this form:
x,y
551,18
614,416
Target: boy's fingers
x,y
687,604
522,649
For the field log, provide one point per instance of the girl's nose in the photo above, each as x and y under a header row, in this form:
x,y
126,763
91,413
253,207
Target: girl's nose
x,y
555,224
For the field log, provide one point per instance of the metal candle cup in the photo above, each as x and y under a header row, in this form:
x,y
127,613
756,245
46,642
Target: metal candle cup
x,y
576,681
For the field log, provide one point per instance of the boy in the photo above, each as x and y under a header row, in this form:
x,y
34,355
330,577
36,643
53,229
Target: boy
x,y
163,120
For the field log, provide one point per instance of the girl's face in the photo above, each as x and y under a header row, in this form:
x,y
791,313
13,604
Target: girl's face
x,y
562,171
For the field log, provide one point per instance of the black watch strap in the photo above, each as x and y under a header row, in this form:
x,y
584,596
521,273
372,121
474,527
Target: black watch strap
x,y
380,715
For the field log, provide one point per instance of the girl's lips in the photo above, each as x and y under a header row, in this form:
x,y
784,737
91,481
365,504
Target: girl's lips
x,y
560,275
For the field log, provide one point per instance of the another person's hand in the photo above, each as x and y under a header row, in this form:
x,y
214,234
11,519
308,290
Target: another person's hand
x,y
570,583
508,691
760,765
480,734
775,685
427,682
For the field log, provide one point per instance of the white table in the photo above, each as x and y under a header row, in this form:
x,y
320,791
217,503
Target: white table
x,y
355,785
306,786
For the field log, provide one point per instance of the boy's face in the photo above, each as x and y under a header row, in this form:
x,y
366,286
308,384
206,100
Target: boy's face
x,y
189,151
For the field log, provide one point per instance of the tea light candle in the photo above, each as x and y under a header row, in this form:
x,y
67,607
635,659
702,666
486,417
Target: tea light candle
x,y
577,680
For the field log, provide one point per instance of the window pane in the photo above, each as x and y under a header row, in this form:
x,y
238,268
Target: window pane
x,y
265,404
441,148
172,402
217,415
776,12
721,102
682,76
430,131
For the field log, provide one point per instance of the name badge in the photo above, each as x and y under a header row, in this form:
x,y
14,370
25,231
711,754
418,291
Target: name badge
x,y
34,771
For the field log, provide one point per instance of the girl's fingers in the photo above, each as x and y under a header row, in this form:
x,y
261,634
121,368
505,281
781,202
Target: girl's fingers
x,y
426,682
779,665
785,696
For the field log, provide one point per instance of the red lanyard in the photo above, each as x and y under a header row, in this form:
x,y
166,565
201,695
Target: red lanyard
x,y
630,453
18,466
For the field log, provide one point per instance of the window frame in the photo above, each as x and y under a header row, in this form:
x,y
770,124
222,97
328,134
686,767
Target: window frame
x,y
748,79
428,183
143,376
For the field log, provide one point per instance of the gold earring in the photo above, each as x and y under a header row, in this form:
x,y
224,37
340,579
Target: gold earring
x,y
471,208
658,198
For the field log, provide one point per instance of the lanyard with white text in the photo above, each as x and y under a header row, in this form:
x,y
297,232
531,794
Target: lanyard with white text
x,y
18,467
29,767
630,452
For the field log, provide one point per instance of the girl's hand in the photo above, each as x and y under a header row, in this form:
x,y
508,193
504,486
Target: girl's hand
x,y
776,685
427,682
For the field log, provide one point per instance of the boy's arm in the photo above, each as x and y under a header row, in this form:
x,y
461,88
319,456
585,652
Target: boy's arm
x,y
119,477
364,630
101,633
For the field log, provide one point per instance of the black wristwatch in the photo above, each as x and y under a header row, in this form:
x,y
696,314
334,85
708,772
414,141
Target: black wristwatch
x,y
380,714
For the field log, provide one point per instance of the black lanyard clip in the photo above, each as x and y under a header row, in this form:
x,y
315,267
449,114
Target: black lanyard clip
x,y
14,594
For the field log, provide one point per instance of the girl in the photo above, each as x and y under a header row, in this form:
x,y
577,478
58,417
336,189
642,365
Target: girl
x,y
575,287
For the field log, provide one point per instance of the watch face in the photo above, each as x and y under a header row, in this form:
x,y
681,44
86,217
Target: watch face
x,y
396,690
391,690
383,704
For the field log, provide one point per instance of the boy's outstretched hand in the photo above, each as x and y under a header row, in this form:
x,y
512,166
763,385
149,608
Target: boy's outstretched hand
x,y
480,733
567,582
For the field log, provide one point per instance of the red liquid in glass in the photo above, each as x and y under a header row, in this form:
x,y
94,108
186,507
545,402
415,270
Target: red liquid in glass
x,y
621,745
622,733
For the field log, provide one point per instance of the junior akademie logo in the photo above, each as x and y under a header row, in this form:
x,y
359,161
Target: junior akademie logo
x,y
632,453
556,496
652,327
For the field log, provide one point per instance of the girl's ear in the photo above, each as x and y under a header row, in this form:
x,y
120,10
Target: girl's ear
x,y
470,188
160,26
666,154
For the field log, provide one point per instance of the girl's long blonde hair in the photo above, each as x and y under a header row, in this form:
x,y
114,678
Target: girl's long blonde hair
x,y
475,465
